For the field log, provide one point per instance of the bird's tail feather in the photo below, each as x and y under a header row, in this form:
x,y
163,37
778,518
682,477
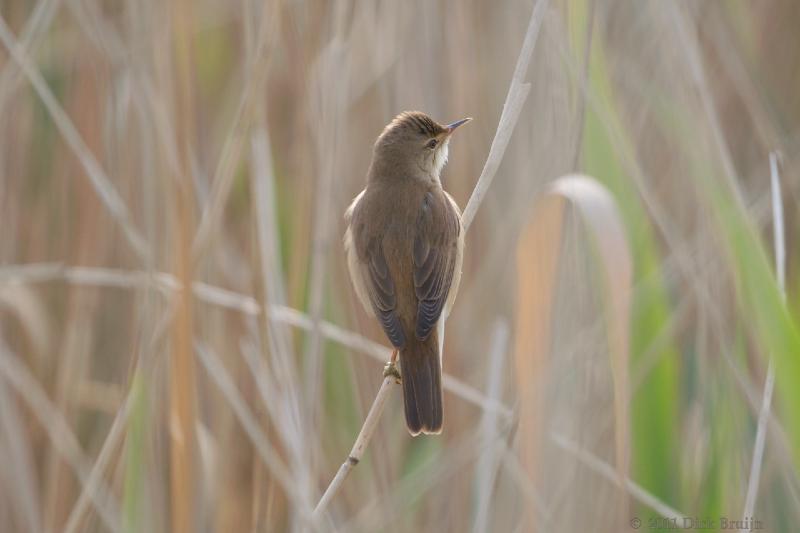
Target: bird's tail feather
x,y
422,384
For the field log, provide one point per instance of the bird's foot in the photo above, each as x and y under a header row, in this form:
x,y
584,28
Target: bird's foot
x,y
391,370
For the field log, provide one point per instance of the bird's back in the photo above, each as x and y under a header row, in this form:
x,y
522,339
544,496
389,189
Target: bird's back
x,y
386,216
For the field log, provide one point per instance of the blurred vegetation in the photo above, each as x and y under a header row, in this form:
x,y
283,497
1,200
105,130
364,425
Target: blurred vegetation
x,y
149,145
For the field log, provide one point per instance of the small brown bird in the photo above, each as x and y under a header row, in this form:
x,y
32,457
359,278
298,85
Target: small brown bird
x,y
404,245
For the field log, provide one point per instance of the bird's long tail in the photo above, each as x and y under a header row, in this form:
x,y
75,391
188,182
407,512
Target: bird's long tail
x,y
422,384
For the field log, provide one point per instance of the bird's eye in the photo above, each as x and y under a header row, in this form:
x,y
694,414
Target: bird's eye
x,y
432,144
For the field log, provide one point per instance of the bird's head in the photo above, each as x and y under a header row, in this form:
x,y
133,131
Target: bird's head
x,y
414,143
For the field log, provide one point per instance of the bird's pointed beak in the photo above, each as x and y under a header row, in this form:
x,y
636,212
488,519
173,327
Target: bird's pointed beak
x,y
452,127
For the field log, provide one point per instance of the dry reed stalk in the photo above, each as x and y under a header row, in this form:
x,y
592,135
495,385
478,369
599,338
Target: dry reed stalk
x,y
380,511
769,385
687,37
285,389
330,98
488,462
531,493
100,181
537,260
597,465
361,443
537,266
265,491
182,380
91,239
93,481
517,94
582,83
35,28
255,76
222,379
22,506
612,474
182,415
631,165
61,436
226,299
270,281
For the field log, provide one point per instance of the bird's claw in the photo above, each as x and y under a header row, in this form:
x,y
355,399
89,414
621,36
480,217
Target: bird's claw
x,y
391,370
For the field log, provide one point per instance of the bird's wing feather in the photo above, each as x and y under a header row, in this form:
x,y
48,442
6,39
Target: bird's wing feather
x,y
377,281
382,293
435,255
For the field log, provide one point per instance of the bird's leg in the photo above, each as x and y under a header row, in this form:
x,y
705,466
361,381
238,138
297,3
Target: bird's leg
x,y
391,368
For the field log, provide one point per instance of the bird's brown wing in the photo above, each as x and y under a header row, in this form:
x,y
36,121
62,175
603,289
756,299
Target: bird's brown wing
x,y
434,255
379,285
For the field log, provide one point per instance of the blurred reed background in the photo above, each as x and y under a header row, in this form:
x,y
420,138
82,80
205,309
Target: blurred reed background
x,y
616,370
